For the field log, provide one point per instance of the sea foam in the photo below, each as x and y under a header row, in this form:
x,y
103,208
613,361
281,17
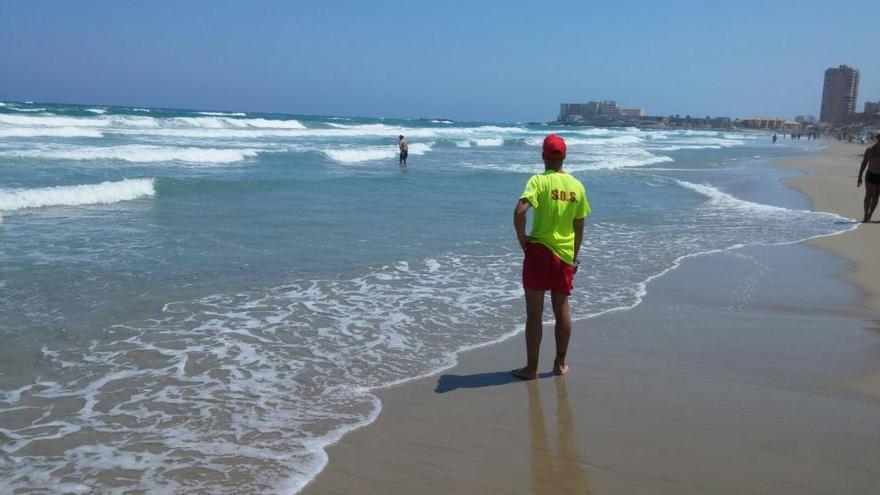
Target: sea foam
x,y
223,114
234,123
63,132
372,153
136,153
718,198
86,194
52,121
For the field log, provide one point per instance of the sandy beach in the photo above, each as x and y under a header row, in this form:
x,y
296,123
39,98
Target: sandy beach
x,y
830,184
747,371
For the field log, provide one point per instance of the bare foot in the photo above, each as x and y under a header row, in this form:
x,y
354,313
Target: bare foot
x,y
524,374
559,369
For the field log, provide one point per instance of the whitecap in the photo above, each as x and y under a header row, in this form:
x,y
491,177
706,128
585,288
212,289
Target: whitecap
x,y
85,194
358,155
372,153
52,121
27,132
235,123
223,114
140,154
718,198
33,110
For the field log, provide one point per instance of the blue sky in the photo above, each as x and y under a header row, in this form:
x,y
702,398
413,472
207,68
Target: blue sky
x,y
480,60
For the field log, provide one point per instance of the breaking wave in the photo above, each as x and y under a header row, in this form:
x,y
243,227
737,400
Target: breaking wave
x,y
372,153
720,199
86,194
64,132
223,114
480,142
136,153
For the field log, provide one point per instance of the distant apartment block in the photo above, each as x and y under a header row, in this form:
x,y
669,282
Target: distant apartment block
x,y
872,107
575,112
609,108
632,112
839,93
609,114
571,112
763,122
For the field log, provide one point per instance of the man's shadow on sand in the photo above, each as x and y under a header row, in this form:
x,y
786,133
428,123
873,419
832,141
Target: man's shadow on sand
x,y
448,383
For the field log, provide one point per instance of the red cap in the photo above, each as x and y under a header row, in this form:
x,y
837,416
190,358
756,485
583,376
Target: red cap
x,y
554,148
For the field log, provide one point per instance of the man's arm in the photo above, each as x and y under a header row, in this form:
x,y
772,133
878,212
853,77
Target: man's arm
x,y
519,222
865,161
578,225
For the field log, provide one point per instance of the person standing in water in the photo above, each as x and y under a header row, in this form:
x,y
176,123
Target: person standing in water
x,y
551,250
871,161
404,150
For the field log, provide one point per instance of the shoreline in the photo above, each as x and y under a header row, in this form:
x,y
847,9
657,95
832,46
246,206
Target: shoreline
x,y
422,435
829,183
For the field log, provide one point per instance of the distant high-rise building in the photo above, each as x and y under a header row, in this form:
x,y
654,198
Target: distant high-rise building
x,y
580,112
872,107
609,108
573,111
632,112
839,94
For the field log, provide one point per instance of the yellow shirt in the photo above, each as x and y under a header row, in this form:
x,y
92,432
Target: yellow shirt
x,y
558,199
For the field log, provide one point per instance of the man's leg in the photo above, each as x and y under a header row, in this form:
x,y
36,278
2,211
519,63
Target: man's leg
x,y
874,197
869,199
562,330
534,332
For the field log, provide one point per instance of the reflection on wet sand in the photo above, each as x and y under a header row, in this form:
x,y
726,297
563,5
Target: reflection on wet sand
x,y
559,471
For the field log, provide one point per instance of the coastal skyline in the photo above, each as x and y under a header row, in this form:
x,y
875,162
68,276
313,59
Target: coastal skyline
x,y
500,62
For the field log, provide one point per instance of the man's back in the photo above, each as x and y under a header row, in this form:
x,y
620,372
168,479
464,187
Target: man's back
x,y
558,199
872,154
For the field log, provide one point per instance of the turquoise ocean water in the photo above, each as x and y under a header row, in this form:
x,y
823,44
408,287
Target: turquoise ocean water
x,y
204,300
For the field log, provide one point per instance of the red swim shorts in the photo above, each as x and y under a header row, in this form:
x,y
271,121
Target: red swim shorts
x,y
543,270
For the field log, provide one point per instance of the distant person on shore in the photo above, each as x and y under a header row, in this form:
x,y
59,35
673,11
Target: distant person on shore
x,y
871,161
551,250
404,150
774,139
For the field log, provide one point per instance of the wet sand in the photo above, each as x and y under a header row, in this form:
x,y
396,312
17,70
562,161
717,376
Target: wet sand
x,y
749,371
830,184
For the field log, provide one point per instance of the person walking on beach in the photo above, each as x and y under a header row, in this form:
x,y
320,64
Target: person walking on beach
x,y
871,161
404,150
551,250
